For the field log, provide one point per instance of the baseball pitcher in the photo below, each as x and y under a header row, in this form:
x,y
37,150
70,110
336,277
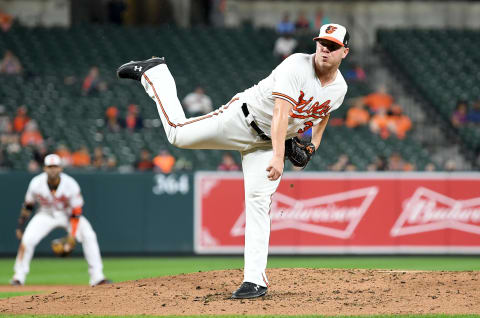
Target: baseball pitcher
x,y
60,205
261,123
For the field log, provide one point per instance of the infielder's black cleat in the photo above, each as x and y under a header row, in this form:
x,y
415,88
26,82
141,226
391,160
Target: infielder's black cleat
x,y
249,290
135,69
15,282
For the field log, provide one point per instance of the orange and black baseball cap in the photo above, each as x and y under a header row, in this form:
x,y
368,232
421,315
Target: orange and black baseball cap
x,y
334,32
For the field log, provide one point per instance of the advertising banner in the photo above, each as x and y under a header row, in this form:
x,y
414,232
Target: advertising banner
x,y
346,213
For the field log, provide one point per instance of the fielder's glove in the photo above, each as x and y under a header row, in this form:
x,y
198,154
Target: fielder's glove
x,y
298,152
63,246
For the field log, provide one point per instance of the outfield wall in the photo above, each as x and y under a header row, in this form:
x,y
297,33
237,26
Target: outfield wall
x,y
312,213
135,213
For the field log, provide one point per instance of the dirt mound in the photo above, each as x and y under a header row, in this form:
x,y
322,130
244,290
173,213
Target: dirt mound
x,y
292,291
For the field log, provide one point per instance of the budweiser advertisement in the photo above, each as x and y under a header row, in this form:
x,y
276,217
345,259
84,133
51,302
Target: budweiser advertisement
x,y
346,213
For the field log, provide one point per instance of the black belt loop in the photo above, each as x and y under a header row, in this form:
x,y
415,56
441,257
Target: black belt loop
x,y
253,124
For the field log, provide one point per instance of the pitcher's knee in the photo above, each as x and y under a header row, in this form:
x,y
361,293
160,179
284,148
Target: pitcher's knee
x,y
179,142
258,199
29,242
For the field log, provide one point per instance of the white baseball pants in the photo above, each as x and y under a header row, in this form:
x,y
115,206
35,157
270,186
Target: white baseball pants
x,y
43,223
225,128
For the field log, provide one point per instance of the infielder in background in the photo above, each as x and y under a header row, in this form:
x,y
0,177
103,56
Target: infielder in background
x,y
60,205
298,95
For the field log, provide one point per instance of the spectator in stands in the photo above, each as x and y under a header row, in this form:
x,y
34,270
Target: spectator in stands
x,y
65,155
81,158
430,167
10,64
111,115
111,163
357,115
396,162
473,115
6,21
217,12
133,121
284,46
356,74
98,158
183,164
408,166
397,122
197,103
145,162
450,165
302,24
228,163
378,164
459,116
350,167
378,123
31,135
319,20
33,166
342,162
163,162
10,140
5,121
378,100
21,119
92,82
286,26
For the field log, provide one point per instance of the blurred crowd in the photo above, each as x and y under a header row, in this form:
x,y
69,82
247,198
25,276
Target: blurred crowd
x,y
377,111
288,30
464,115
22,132
380,113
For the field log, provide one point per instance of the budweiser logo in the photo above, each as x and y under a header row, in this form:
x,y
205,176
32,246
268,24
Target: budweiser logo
x,y
335,215
428,210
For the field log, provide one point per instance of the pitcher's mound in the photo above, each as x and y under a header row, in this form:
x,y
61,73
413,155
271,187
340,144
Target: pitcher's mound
x,y
299,291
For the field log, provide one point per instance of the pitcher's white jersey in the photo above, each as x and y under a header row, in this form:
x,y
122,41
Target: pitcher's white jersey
x,y
66,197
295,81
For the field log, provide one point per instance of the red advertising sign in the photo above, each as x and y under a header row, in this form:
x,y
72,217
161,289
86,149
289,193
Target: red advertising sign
x,y
346,213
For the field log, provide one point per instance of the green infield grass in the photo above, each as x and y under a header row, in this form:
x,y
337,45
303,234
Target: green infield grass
x,y
73,271
13,294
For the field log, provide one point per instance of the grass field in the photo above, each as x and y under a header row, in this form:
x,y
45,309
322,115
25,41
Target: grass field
x,y
73,271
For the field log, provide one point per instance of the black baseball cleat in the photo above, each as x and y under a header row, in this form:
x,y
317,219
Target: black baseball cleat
x,y
135,69
15,282
249,290
103,282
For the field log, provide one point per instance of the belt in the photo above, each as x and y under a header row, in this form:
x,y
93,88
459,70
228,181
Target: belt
x,y
252,123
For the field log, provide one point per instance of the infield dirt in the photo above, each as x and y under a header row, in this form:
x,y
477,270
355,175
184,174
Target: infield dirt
x,y
292,292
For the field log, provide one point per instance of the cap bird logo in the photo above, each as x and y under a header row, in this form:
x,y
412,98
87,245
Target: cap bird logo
x,y
330,29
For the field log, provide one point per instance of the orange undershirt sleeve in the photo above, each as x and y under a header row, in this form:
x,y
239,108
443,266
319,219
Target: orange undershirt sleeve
x,y
76,212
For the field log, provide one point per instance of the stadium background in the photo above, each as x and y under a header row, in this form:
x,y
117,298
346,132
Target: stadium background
x,y
424,52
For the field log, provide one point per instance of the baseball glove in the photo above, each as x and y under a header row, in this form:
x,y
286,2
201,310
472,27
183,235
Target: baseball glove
x,y
63,246
299,153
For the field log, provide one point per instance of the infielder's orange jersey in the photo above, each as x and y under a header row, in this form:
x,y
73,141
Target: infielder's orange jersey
x,y
64,199
295,81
